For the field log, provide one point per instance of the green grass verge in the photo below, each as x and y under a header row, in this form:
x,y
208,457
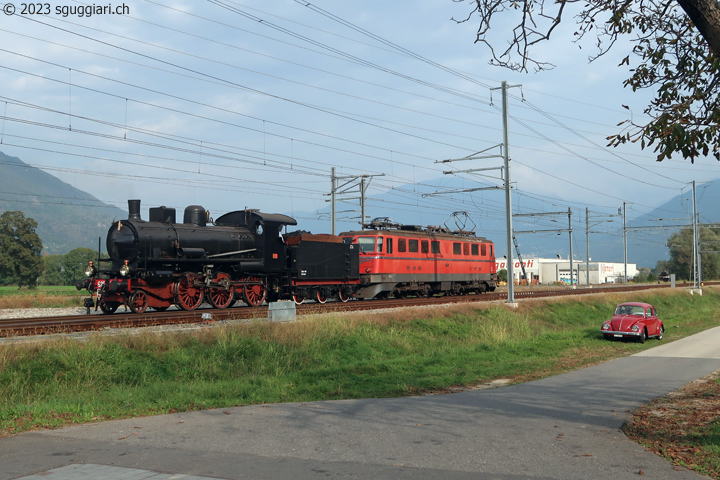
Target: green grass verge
x,y
47,290
704,443
384,355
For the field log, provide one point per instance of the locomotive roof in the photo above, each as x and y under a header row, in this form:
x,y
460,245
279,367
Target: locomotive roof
x,y
464,236
242,218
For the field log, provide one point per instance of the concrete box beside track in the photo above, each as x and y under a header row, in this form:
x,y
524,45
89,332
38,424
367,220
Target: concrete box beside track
x,y
282,311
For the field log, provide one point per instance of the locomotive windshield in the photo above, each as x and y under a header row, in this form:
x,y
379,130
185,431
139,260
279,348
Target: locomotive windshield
x,y
367,244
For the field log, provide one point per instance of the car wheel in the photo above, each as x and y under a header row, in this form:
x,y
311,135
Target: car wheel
x,y
643,336
661,332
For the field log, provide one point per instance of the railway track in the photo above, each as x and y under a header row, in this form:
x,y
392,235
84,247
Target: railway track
x,y
15,327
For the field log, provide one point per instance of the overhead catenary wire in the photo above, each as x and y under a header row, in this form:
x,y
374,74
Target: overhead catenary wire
x,y
293,138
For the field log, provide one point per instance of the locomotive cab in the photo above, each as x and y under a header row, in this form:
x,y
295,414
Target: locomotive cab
x,y
372,248
267,228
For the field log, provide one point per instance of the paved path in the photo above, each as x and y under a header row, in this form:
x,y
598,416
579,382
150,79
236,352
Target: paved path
x,y
564,427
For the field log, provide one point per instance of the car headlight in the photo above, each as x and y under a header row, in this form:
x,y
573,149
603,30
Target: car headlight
x,y
90,270
635,328
606,326
125,269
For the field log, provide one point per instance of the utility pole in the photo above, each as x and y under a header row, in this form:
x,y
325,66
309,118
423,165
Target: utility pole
x,y
362,202
571,252
353,181
587,247
508,201
587,241
333,189
624,242
697,278
559,230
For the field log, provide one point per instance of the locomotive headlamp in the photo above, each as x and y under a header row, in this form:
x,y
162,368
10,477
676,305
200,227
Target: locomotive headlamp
x,y
125,269
90,270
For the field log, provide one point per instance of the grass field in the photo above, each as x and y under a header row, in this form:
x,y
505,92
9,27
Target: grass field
x,y
47,290
406,352
40,297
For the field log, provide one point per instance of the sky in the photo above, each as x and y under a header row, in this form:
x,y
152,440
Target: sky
x,y
250,103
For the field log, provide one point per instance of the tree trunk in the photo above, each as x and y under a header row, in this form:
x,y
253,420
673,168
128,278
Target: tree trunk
x,y
705,14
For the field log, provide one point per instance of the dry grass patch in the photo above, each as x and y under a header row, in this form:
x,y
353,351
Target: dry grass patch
x,y
39,300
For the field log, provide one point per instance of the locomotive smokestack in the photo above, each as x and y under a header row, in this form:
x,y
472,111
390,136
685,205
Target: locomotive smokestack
x,y
134,210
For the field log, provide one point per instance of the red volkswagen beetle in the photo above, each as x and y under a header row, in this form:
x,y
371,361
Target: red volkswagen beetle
x,y
634,320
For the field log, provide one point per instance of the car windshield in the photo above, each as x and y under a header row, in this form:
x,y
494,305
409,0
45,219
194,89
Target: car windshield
x,y
630,310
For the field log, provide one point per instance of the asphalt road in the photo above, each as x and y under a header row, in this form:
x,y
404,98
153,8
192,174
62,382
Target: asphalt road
x,y
564,427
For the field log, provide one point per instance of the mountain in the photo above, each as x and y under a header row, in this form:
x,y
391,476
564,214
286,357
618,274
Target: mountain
x,y
67,217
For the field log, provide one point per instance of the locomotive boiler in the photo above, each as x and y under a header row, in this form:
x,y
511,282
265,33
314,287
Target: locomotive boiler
x,y
241,241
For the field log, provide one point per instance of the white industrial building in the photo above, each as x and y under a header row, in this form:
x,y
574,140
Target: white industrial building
x,y
551,270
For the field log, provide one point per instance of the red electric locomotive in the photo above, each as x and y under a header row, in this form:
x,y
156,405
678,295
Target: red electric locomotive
x,y
407,259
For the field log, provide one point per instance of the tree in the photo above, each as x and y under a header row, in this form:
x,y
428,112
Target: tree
x,y
67,269
74,264
645,275
20,248
502,275
52,270
677,44
681,257
662,265
642,275
681,253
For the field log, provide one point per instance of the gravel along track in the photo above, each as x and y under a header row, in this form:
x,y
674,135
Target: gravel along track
x,y
40,312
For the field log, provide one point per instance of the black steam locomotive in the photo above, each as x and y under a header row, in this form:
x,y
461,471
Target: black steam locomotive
x,y
242,255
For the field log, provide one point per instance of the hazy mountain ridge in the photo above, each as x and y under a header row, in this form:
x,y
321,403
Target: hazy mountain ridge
x,y
666,218
67,217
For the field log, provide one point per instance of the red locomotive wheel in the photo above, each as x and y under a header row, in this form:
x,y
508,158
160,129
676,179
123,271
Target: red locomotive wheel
x,y
254,295
298,299
320,296
139,301
221,297
188,296
343,296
